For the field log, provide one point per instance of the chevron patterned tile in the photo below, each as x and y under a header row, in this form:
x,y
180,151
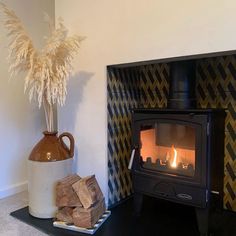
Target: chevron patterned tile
x,y
123,95
226,72
216,84
229,193
154,85
148,86
205,84
230,151
230,121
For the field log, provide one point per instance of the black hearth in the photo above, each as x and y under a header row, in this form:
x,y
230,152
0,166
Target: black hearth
x,y
178,152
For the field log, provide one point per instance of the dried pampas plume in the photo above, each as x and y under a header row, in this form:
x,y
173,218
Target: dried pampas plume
x,y
47,69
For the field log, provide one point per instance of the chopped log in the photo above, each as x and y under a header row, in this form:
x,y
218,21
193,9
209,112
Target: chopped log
x,y
65,214
65,195
88,191
87,218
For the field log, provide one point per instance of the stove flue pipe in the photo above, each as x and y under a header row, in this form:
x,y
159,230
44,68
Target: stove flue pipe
x,y
182,85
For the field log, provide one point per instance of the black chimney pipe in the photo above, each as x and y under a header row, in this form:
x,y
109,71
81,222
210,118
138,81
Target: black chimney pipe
x,y
182,85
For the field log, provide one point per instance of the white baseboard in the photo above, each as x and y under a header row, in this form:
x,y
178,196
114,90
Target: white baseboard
x,y
13,189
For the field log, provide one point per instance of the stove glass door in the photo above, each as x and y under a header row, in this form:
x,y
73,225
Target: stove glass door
x,y
168,147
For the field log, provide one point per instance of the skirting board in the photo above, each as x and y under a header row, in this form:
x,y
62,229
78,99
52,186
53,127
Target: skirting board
x,y
13,189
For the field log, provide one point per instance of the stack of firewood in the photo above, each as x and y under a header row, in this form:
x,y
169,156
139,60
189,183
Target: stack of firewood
x,y
79,200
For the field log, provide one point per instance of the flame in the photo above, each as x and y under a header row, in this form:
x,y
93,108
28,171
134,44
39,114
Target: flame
x,y
174,163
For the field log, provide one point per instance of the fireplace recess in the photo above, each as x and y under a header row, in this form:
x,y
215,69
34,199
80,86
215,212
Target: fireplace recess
x,y
178,152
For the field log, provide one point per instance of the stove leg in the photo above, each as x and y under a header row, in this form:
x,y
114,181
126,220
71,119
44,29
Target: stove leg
x,y
138,202
202,220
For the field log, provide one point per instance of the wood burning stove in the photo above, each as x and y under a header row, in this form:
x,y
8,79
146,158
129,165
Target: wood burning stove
x,y
179,151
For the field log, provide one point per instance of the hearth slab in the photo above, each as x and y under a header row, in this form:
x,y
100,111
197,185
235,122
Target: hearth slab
x,y
158,218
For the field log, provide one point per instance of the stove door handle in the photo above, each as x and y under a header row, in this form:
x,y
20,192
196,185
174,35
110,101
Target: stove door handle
x,y
131,159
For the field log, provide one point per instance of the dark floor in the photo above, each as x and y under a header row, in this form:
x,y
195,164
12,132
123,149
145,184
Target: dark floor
x,y
158,218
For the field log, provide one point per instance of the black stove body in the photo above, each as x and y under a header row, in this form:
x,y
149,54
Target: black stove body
x,y
178,152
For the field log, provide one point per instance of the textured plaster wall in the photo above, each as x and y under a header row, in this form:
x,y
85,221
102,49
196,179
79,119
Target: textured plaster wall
x,y
127,31
21,123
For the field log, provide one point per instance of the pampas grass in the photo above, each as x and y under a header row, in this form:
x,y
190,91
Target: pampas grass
x,y
47,70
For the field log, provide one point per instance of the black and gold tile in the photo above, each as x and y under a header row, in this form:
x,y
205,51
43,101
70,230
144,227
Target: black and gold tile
x,y
147,86
216,84
123,96
229,192
154,85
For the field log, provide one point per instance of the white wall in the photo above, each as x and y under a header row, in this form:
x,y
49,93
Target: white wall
x,y
127,31
21,123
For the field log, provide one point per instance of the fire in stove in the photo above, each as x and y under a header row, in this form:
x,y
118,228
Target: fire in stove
x,y
171,159
174,162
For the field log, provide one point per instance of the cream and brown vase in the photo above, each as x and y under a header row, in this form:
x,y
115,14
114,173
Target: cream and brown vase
x,y
49,161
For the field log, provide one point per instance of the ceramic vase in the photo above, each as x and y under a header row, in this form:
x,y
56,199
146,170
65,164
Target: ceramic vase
x,y
50,160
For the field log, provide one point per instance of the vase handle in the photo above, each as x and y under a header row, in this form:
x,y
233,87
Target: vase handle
x,y
72,143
